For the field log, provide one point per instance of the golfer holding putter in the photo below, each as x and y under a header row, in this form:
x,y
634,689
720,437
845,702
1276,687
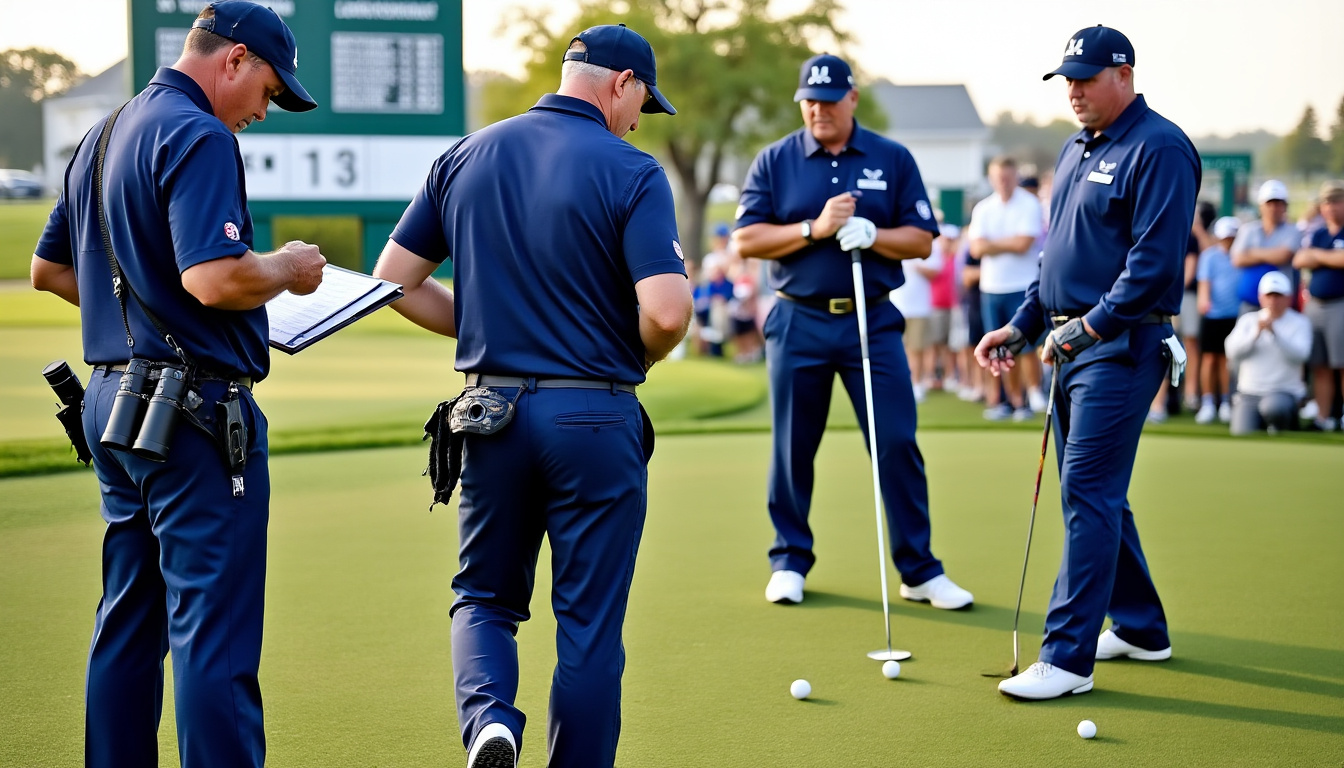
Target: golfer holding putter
x,y
1109,282
810,199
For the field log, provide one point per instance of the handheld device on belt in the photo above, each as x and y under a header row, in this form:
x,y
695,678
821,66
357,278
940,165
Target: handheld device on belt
x,y
233,435
70,392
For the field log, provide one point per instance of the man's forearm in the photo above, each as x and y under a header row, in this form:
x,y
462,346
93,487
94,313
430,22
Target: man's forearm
x,y
768,241
429,305
902,243
1252,256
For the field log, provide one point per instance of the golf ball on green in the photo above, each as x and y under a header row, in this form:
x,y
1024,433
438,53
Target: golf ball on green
x,y
800,689
891,669
1087,729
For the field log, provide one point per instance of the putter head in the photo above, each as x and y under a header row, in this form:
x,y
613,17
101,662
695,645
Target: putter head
x,y
886,654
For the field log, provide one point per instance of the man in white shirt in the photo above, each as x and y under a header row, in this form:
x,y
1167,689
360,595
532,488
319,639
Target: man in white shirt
x,y
1004,230
914,299
1270,345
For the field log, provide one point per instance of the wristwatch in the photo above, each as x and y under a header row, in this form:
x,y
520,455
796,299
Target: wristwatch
x,y
807,230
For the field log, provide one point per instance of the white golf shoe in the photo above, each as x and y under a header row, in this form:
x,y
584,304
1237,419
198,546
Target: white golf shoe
x,y
1110,646
1044,681
785,587
940,592
1207,413
494,748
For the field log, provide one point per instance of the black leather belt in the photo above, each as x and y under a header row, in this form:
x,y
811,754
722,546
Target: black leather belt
x,y
243,381
841,306
487,380
1152,318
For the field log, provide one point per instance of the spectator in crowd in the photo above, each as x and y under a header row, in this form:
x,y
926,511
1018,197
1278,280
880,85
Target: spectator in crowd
x,y
977,381
1187,323
1265,245
1003,232
748,343
939,364
1218,305
915,301
712,296
1311,220
1324,256
1270,346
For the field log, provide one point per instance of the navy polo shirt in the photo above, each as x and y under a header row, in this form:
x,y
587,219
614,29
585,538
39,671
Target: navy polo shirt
x,y
549,220
174,198
1326,282
1120,218
792,179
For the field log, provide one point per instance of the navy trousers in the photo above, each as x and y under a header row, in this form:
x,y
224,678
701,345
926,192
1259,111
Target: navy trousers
x,y
184,569
805,348
571,466
1100,408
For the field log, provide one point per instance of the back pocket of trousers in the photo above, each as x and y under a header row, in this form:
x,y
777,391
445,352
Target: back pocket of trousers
x,y
594,420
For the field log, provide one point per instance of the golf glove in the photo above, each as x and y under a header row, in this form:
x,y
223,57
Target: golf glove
x,y
1070,339
857,233
1011,347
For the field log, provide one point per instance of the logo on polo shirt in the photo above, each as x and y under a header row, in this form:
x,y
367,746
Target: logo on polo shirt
x,y
1075,47
874,180
677,248
819,75
925,212
1107,167
231,230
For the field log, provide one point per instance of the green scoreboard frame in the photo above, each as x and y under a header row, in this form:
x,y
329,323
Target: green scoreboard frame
x,y
387,76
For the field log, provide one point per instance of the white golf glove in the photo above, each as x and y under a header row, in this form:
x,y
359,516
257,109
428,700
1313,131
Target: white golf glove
x,y
857,233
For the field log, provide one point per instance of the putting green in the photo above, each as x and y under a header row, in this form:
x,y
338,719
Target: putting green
x,y
1243,539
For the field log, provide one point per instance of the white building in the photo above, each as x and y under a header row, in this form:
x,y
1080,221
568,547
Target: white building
x,y
66,118
942,129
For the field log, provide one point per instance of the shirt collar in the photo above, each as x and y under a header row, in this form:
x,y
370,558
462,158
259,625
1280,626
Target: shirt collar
x,y
857,142
1113,132
181,81
554,102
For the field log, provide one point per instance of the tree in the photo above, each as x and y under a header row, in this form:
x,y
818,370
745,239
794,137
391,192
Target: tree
x,y
1027,142
27,76
1337,142
1303,151
728,67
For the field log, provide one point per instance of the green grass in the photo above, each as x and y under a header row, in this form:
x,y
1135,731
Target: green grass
x,y
1243,543
21,223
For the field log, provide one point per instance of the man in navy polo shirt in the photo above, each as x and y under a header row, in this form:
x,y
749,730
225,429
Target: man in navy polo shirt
x,y
810,198
184,554
1120,216
568,284
1324,256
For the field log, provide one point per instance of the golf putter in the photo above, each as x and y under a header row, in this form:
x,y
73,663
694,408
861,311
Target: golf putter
x,y
1031,521
861,309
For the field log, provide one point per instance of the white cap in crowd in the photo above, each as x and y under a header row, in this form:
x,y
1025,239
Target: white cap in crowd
x,y
1272,190
1226,227
950,231
1275,282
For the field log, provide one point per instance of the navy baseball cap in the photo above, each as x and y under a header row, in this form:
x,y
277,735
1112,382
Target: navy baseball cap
x,y
617,47
266,35
824,78
1091,50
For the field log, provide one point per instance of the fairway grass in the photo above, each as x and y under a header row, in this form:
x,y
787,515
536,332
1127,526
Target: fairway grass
x,y
1244,544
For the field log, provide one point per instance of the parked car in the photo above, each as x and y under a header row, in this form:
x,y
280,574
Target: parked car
x,y
20,184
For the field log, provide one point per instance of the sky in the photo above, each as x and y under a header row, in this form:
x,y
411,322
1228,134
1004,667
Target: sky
x,y
1211,66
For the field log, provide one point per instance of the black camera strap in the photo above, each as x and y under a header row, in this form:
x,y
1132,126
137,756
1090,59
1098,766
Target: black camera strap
x,y
120,285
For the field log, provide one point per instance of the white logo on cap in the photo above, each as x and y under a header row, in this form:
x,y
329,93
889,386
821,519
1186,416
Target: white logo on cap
x,y
1118,58
819,75
1075,47
677,248
924,211
296,57
1107,167
231,230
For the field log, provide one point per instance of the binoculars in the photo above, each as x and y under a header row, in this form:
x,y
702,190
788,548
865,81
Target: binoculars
x,y
143,423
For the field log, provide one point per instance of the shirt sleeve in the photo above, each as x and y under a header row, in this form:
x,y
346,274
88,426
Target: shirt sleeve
x,y
1030,221
1241,340
1202,267
420,229
649,239
977,226
1239,244
204,192
55,245
1293,334
1165,186
757,203
1030,316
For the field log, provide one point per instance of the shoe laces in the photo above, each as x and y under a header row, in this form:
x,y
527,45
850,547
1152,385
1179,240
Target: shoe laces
x,y
1040,669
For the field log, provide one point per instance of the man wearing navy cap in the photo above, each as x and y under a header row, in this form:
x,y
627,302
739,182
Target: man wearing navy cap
x,y
184,554
1110,280
568,284
809,199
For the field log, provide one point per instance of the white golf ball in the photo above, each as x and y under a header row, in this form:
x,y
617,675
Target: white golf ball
x,y
800,689
1087,729
891,669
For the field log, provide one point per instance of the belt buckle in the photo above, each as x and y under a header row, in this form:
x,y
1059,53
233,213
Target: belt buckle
x,y
840,306
1058,320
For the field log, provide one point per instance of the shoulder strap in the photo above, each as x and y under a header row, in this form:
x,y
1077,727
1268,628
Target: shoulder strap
x,y
120,286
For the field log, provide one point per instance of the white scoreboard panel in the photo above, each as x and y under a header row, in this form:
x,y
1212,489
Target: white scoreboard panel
x,y
335,167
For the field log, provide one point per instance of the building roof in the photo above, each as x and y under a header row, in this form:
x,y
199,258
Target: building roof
x,y
113,81
927,109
